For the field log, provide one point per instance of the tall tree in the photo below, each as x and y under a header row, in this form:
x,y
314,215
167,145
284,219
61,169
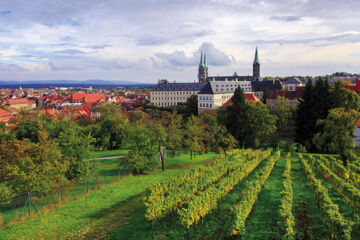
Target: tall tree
x,y
213,132
282,111
305,117
343,98
338,135
192,105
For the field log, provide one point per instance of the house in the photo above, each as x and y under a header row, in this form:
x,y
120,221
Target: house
x,y
250,97
21,103
5,116
292,83
90,98
355,88
293,97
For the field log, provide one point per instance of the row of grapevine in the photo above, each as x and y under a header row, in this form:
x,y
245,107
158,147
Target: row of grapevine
x,y
206,201
337,167
158,205
252,189
167,187
339,227
347,190
287,220
355,167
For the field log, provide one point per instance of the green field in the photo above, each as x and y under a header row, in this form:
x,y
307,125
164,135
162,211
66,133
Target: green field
x,y
117,211
76,217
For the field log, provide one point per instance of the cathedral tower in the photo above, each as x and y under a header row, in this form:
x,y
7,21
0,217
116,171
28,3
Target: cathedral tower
x,y
256,66
203,69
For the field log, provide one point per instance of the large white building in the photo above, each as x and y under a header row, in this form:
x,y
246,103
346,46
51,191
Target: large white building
x,y
212,92
170,94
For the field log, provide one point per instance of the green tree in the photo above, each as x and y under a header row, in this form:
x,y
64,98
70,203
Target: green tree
x,y
108,110
174,132
260,124
194,135
338,136
341,97
227,142
282,111
213,133
143,147
192,105
35,167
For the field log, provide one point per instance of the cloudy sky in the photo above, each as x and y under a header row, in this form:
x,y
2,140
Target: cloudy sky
x,y
145,40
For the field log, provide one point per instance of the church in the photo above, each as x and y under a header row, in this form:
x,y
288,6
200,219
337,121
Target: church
x,y
212,91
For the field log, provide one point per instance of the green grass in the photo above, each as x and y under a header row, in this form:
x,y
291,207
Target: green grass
x,y
108,153
262,223
98,207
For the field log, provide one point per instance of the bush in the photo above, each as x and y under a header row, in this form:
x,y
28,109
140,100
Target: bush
x,y
301,148
6,194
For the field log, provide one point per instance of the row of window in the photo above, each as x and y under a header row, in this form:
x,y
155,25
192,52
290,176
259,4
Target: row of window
x,y
173,93
226,96
205,97
232,89
168,98
242,85
164,104
205,105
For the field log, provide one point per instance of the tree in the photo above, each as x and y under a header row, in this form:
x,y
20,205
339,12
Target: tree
x,y
194,135
213,133
261,125
305,117
227,142
108,110
192,105
35,167
143,150
250,124
341,97
174,133
338,136
282,111
160,139
265,93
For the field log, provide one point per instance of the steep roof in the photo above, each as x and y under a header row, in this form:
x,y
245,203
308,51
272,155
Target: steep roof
x,y
230,78
256,59
248,96
259,86
178,87
293,80
222,87
287,94
19,101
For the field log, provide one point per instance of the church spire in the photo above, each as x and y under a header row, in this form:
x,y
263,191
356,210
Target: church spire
x,y
256,66
202,64
205,62
256,59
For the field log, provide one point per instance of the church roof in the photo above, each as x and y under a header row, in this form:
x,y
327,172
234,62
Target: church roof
x,y
230,78
222,87
178,87
202,61
256,60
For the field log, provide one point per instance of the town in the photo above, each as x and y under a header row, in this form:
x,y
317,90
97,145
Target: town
x,y
149,120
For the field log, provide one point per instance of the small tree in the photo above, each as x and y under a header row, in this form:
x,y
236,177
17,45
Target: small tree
x,y
194,135
338,135
174,133
227,142
143,150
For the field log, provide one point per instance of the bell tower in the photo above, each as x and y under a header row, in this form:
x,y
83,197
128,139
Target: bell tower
x,y
203,69
256,66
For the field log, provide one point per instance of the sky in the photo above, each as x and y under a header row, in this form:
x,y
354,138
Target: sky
x,y
147,40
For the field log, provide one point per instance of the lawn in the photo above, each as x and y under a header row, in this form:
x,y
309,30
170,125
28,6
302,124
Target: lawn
x,y
108,153
75,217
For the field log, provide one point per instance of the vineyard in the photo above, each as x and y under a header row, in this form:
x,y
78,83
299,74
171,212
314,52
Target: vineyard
x,y
254,194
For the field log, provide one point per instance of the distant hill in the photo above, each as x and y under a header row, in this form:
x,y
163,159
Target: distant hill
x,y
71,83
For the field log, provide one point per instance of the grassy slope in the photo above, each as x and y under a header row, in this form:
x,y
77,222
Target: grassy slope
x,y
212,226
308,220
74,215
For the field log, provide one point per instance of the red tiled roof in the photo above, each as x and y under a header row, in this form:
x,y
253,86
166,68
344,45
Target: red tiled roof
x,y
89,98
248,96
19,101
355,88
287,94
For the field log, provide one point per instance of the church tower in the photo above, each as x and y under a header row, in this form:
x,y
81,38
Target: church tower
x,y
256,66
203,69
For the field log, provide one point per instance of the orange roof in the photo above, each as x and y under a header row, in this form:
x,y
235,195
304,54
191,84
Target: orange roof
x,y
19,101
89,98
248,96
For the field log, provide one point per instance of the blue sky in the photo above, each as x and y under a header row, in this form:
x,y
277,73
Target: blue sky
x,y
145,40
